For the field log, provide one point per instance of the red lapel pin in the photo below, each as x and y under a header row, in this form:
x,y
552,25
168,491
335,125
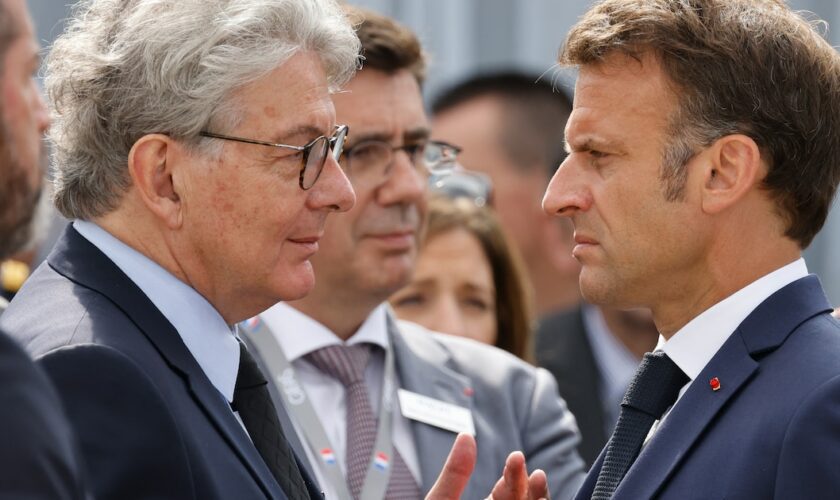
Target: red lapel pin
x,y
714,383
468,391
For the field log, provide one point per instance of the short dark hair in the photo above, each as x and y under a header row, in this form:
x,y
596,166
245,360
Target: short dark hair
x,y
386,44
537,112
751,67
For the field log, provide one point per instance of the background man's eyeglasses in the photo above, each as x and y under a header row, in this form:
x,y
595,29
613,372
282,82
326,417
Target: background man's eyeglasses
x,y
314,153
369,162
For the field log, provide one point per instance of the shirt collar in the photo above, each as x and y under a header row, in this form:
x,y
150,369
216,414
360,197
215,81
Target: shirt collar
x,y
209,339
694,345
299,334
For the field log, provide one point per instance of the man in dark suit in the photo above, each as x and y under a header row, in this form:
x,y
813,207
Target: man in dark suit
x,y
704,156
195,149
37,456
366,255
593,352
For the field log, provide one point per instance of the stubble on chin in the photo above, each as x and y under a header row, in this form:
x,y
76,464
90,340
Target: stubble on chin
x,y
18,200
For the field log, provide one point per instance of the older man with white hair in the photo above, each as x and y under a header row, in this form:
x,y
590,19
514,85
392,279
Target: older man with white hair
x,y
195,152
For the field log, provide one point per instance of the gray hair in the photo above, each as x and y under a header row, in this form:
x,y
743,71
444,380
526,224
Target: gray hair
x,y
127,68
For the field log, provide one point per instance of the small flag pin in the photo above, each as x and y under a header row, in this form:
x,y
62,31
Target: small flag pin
x,y
714,383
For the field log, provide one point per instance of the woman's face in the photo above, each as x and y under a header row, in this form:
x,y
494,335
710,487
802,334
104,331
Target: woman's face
x,y
452,289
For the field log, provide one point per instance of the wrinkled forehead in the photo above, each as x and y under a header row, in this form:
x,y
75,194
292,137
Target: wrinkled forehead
x,y
625,85
618,104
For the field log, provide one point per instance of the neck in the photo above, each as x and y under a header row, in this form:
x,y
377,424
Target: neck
x,y
138,230
722,279
341,314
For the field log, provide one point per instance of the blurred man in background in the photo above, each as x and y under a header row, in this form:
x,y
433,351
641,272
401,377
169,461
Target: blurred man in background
x,y
340,360
510,127
593,351
37,454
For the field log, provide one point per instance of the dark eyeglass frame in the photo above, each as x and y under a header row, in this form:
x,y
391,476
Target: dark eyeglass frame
x,y
335,143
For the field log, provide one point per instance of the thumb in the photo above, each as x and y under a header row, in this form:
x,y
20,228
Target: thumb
x,y
456,471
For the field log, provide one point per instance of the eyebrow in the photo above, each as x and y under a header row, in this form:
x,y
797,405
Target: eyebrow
x,y
409,136
591,143
305,130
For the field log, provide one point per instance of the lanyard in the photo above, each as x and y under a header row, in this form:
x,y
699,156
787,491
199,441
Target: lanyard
x,y
299,406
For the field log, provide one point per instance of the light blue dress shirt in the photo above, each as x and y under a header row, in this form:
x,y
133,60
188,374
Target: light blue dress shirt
x,y
211,341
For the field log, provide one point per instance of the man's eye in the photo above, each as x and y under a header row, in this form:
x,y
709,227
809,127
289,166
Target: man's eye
x,y
289,155
597,154
365,151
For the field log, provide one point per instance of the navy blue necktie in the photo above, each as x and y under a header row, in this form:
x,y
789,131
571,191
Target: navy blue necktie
x,y
253,403
654,389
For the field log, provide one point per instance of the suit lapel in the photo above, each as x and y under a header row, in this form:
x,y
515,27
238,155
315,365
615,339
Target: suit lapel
x,y
737,361
429,376
693,413
81,262
588,486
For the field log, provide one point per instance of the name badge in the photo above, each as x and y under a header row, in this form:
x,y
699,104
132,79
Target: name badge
x,y
435,412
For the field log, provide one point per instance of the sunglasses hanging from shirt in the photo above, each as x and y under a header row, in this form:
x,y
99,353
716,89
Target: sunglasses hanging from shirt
x,y
462,183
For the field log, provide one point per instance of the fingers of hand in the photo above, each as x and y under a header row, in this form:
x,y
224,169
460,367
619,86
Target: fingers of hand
x,y
456,471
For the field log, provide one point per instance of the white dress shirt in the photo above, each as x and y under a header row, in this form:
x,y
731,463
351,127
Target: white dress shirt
x,y
695,344
298,335
210,340
616,364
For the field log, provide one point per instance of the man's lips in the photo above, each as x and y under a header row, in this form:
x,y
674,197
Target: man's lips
x,y
582,244
394,240
309,243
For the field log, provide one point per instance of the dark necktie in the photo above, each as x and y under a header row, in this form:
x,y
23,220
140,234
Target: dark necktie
x,y
654,389
347,365
252,401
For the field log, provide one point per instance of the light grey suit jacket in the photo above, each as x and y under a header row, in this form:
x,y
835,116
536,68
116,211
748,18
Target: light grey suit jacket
x,y
515,406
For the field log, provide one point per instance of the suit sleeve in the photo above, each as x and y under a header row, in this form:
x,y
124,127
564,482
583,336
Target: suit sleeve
x,y
550,435
128,437
808,465
38,457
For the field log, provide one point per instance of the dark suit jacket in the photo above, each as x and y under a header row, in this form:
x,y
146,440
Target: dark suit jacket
x,y
773,428
563,348
150,423
37,450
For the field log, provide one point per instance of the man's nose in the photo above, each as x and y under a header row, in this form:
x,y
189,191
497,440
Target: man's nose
x,y
567,192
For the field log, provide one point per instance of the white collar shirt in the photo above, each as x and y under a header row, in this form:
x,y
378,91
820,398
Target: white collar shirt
x,y
696,343
211,341
298,335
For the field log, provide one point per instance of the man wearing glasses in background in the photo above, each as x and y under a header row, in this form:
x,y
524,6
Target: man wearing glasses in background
x,y
375,405
197,157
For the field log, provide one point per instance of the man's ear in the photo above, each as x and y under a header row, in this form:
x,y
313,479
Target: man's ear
x,y
150,164
733,168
